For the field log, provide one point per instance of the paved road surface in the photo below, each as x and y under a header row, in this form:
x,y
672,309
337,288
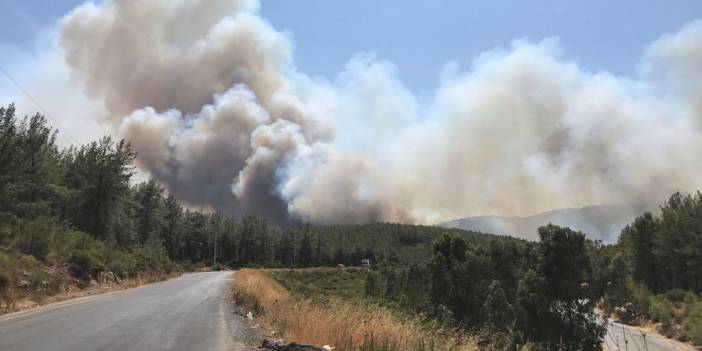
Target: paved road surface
x,y
189,313
623,337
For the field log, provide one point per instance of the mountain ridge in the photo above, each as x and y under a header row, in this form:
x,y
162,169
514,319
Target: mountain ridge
x,y
602,222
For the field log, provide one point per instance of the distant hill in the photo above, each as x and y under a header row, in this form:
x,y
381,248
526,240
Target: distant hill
x,y
598,222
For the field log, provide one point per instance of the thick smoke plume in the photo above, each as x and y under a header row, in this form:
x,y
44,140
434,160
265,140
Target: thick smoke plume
x,y
208,93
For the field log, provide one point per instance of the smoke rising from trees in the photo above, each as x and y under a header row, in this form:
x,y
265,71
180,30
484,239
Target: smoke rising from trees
x,y
210,97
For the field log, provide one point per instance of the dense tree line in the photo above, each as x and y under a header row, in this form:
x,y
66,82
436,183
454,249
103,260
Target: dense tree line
x,y
81,206
510,291
654,271
544,292
665,251
74,205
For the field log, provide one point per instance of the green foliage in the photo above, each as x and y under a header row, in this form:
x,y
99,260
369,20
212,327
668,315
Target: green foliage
x,y
121,263
661,309
305,255
7,266
79,206
675,295
373,286
151,255
499,315
641,300
693,323
689,301
666,250
515,291
85,264
568,321
619,285
323,283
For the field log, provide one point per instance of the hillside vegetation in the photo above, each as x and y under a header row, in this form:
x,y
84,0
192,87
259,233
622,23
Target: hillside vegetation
x,y
505,293
71,216
654,273
323,283
542,294
79,211
603,222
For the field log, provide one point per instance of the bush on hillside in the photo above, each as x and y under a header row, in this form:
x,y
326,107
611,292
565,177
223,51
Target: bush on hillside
x,y
662,310
151,255
689,302
675,295
121,263
693,323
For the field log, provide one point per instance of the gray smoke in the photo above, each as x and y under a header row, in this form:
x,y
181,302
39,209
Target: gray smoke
x,y
208,93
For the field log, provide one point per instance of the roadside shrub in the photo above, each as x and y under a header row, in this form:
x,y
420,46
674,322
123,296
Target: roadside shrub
x,y
693,323
122,264
85,265
689,302
35,236
5,281
37,286
373,286
44,282
642,300
676,296
631,303
662,310
626,314
27,262
7,262
6,300
151,255
65,243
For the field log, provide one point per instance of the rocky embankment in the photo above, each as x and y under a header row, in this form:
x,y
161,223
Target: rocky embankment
x,y
32,285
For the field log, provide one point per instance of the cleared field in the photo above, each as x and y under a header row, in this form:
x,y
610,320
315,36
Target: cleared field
x,y
345,283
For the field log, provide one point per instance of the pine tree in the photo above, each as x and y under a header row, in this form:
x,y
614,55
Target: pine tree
x,y
305,255
639,240
149,218
171,232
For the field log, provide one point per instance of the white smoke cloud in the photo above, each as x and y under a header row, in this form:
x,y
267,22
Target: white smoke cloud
x,y
172,54
209,94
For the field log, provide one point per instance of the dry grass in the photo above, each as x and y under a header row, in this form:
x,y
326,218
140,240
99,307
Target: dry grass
x,y
348,326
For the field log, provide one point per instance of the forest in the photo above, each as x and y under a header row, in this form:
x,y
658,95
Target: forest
x,y
80,207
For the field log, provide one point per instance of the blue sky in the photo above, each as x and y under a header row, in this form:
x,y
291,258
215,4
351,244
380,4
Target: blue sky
x,y
420,37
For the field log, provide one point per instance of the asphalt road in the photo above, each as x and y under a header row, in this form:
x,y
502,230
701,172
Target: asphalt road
x,y
188,313
626,338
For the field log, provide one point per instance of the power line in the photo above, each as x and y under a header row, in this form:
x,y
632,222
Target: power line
x,y
46,113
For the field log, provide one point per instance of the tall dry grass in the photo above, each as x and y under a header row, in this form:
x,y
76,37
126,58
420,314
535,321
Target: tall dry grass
x,y
346,325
